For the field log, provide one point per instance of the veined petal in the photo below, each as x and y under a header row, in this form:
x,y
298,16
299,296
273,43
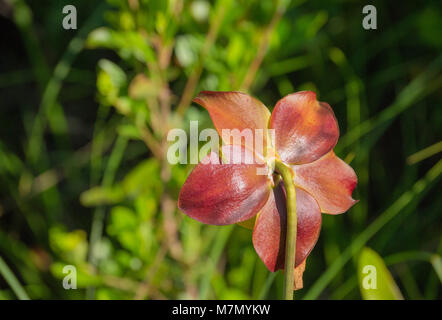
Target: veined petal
x,y
225,191
305,129
269,234
239,113
330,181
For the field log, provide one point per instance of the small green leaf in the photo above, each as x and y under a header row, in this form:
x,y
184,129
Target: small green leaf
x,y
71,246
375,281
123,225
101,37
101,195
129,131
116,74
144,178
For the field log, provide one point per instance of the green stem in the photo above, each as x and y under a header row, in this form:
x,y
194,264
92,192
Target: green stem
x,y
290,244
12,281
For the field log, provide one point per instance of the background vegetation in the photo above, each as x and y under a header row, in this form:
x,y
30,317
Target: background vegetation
x,y
84,114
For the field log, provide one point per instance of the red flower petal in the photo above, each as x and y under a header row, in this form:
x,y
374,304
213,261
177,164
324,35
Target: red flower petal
x,y
270,228
305,129
220,193
236,110
331,182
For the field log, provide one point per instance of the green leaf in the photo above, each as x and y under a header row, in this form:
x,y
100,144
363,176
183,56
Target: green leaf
x,y
121,219
375,281
129,44
123,225
100,37
143,179
71,246
102,195
117,75
110,80
129,131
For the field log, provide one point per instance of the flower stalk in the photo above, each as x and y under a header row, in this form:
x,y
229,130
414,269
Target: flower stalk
x,y
290,244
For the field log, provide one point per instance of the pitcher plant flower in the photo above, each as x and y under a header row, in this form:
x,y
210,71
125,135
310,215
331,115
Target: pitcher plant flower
x,y
302,176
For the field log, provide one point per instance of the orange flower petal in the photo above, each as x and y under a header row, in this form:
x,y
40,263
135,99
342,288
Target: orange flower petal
x,y
270,228
305,129
222,192
331,182
299,272
236,110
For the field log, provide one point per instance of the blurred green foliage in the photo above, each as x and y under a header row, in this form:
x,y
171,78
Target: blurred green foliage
x,y
85,113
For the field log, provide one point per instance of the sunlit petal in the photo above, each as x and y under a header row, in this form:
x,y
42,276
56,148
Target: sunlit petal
x,y
237,111
331,182
223,191
305,129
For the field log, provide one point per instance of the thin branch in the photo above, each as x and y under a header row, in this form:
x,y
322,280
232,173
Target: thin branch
x,y
151,142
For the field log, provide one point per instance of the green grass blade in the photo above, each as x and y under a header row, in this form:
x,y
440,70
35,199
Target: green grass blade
x,y
425,153
436,261
12,281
